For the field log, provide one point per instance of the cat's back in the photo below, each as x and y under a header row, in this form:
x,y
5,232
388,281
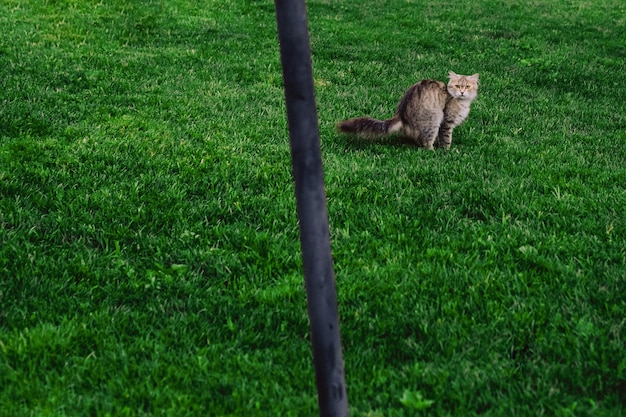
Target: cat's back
x,y
431,85
424,94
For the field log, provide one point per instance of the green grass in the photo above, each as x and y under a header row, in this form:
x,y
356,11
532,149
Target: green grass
x,y
149,254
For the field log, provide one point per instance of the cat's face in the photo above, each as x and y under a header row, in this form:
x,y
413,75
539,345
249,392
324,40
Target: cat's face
x,y
463,87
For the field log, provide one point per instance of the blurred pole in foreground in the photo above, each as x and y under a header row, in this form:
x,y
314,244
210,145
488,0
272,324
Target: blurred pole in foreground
x,y
308,177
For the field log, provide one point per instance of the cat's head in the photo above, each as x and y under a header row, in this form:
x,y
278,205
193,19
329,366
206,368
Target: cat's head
x,y
463,87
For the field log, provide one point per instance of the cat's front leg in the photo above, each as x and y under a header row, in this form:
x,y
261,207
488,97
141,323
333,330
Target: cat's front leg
x,y
445,136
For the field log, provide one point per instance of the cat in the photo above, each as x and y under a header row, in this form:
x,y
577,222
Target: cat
x,y
427,113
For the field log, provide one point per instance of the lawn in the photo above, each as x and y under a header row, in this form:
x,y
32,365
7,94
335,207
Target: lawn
x,y
149,254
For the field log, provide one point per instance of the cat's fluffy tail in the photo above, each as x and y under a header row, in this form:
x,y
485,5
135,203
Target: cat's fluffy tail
x,y
368,127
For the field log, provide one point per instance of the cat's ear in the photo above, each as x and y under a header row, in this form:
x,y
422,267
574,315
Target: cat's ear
x,y
452,74
474,77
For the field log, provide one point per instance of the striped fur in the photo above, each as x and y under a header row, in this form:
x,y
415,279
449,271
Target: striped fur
x,y
369,127
427,113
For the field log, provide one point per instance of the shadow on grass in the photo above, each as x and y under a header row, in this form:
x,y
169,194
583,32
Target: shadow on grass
x,y
393,141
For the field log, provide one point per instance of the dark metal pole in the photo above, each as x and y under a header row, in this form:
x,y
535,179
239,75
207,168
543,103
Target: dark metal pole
x,y
308,176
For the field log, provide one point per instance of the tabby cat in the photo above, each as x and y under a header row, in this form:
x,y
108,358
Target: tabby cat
x,y
427,113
